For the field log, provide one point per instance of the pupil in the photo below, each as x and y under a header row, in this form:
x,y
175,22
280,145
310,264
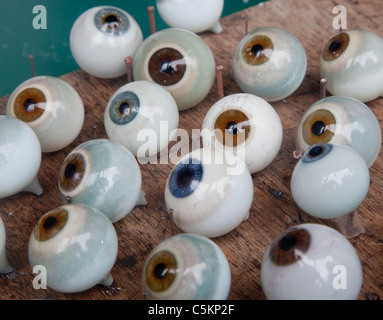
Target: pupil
x,y
167,67
49,222
318,128
125,109
160,271
257,50
185,178
29,104
70,171
232,127
112,20
335,45
315,151
287,242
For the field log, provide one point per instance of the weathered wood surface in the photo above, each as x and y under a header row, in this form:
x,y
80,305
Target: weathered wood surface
x,y
273,209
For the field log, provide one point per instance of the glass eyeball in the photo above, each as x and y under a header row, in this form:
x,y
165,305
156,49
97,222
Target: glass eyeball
x,y
5,267
137,107
20,158
178,60
270,63
102,174
352,63
209,192
101,38
196,16
247,125
51,107
330,181
77,245
311,262
186,267
341,120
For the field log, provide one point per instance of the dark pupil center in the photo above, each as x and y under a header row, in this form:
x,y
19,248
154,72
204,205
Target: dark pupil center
x,y
315,151
287,242
167,67
29,104
257,50
70,171
185,178
160,271
49,222
111,20
335,45
318,128
232,127
124,109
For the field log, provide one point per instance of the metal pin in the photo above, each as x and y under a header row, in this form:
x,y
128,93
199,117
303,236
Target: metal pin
x,y
219,69
246,27
152,19
170,212
68,200
129,69
32,65
322,93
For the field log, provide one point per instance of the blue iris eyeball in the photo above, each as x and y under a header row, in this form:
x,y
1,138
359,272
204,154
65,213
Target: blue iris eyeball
x,y
209,191
186,267
311,262
341,120
77,245
352,63
101,38
269,62
180,61
330,181
138,110
102,174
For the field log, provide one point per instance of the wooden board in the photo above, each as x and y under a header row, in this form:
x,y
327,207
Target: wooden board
x,y
273,209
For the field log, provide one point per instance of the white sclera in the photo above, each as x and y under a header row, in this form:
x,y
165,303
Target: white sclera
x,y
63,115
278,77
96,50
330,269
202,271
210,192
330,181
20,158
264,136
151,125
355,126
195,15
79,254
5,267
358,71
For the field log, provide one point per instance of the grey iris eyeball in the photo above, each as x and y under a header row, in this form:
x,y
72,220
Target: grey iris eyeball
x,y
270,63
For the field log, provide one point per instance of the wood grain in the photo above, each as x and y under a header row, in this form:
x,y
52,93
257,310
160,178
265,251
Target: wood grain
x,y
273,209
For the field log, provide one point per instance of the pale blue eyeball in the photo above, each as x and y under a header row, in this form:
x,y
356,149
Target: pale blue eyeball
x,y
269,62
77,245
330,181
186,267
311,262
5,267
138,110
341,120
180,61
209,192
101,38
20,158
352,63
102,174
51,107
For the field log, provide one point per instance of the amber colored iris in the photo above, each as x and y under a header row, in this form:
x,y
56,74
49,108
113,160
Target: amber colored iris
x,y
160,271
235,127
319,127
290,246
167,66
50,224
72,172
336,46
29,104
257,50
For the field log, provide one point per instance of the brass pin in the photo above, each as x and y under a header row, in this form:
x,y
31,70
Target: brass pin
x,y
152,19
219,69
32,65
129,69
323,88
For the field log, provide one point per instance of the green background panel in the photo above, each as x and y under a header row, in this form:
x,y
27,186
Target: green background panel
x,y
50,46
